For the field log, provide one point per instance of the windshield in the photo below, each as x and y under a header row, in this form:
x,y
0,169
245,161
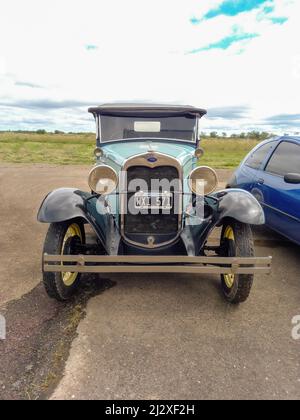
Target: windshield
x,y
128,127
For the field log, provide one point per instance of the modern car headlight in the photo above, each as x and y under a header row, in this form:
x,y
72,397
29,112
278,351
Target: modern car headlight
x,y
203,180
103,180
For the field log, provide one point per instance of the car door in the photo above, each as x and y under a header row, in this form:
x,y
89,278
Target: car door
x,y
249,172
281,200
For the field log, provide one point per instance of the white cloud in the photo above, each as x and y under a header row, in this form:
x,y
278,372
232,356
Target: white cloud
x,y
141,55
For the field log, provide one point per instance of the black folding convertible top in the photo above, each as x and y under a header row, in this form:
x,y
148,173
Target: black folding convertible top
x,y
144,110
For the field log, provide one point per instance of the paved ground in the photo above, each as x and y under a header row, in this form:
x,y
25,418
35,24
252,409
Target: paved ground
x,y
142,336
22,189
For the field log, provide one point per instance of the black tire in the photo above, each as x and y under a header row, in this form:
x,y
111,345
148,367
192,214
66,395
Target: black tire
x,y
240,244
53,282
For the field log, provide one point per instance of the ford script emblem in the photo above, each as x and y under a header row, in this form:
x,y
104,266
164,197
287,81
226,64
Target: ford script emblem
x,y
152,159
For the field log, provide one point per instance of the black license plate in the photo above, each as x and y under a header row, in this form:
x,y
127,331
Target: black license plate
x,y
153,201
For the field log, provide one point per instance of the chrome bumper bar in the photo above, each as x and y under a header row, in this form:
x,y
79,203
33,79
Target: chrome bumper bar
x,y
156,264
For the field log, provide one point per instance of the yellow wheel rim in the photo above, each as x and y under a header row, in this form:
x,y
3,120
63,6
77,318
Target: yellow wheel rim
x,y
229,278
73,230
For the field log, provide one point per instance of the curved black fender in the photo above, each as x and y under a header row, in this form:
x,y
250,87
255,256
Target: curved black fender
x,y
240,205
68,203
61,205
230,203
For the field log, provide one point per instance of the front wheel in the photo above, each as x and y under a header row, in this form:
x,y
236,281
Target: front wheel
x,y
63,239
237,241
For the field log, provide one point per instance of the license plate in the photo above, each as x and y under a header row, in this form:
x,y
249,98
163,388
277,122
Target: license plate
x,y
153,201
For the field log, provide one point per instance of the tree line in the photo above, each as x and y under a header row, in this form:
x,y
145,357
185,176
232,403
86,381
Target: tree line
x,y
253,135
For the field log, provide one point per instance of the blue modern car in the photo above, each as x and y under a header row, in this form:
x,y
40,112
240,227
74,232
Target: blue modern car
x,y
271,172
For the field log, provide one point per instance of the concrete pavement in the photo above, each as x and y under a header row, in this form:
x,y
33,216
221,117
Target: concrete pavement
x,y
142,336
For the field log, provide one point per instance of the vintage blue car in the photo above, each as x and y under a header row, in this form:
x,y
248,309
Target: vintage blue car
x,y
152,207
271,172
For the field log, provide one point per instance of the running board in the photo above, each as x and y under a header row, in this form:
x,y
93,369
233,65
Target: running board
x,y
156,264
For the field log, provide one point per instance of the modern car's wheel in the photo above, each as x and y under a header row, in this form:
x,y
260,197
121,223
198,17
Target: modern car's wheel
x,y
237,241
63,239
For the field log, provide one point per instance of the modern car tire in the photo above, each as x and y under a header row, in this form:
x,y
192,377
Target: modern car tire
x,y
62,239
237,241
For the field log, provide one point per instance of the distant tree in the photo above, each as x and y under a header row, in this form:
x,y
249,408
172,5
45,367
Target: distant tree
x,y
264,135
58,132
41,132
214,134
224,134
255,135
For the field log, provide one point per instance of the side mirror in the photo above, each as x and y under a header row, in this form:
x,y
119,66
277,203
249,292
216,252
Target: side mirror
x,y
292,178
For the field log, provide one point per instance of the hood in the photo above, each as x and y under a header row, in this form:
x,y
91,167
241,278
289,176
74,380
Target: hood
x,y
119,152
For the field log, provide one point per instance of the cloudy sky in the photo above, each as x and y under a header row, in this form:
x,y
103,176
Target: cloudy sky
x,y
240,59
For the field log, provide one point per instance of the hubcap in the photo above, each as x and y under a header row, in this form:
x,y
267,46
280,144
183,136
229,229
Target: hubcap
x,y
229,235
73,233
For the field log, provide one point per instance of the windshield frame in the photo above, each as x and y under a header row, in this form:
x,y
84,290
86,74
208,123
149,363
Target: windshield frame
x,y
100,140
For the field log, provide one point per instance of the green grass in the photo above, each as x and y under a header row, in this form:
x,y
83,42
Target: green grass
x,y
225,153
78,149
61,149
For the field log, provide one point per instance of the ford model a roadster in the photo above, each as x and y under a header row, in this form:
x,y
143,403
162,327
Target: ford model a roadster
x,y
152,207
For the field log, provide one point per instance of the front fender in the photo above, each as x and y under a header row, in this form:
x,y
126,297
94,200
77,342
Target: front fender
x,y
68,203
240,205
61,205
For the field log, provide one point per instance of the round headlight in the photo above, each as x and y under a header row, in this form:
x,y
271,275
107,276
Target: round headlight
x,y
103,179
203,180
98,152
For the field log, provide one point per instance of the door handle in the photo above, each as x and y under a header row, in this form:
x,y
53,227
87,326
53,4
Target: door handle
x,y
261,181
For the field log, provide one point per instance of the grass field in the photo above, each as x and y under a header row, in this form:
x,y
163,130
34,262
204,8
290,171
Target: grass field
x,y
78,149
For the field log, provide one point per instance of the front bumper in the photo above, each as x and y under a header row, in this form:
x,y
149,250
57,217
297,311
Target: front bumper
x,y
156,264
